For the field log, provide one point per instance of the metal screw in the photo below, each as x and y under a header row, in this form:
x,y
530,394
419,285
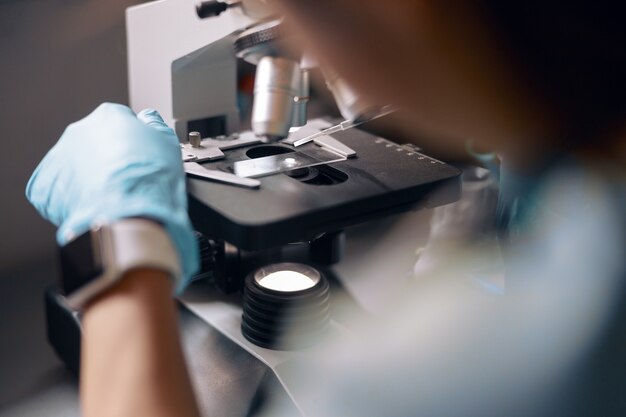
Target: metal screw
x,y
195,139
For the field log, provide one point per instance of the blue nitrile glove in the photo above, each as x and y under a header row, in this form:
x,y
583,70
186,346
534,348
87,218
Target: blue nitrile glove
x,y
111,165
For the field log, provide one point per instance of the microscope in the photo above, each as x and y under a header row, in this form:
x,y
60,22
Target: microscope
x,y
271,189
249,185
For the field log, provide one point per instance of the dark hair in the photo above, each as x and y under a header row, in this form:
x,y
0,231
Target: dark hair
x,y
574,53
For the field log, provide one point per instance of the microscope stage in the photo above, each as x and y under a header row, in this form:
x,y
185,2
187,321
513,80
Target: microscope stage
x,y
385,178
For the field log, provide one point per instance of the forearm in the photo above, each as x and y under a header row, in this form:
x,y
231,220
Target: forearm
x,y
132,363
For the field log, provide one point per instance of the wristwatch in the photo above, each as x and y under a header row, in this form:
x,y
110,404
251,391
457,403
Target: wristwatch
x,y
100,257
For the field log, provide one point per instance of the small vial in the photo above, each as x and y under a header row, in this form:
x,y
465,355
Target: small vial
x,y
195,139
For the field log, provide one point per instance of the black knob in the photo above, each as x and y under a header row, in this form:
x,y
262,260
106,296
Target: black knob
x,y
210,8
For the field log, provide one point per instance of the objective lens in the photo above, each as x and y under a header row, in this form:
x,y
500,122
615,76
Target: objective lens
x,y
277,84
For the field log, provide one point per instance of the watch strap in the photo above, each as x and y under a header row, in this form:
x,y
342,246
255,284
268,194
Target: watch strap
x,y
125,245
142,243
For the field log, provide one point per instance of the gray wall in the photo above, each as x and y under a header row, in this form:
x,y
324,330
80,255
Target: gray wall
x,y
58,60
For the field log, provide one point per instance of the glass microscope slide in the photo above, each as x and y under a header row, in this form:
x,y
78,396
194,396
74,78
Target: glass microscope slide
x,y
268,165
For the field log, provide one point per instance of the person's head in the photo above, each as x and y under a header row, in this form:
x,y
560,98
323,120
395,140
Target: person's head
x,y
572,55
508,75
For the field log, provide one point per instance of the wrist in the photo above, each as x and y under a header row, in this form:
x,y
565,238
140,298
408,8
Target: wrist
x,y
97,260
139,287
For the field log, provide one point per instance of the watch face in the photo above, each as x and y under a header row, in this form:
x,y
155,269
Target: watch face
x,y
81,261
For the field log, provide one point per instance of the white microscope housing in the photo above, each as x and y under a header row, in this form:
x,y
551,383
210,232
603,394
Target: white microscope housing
x,y
186,67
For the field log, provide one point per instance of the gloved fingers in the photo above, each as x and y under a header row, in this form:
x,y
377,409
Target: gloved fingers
x,y
40,187
108,112
35,192
153,119
113,107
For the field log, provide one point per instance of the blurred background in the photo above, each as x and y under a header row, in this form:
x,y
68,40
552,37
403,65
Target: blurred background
x,y
60,59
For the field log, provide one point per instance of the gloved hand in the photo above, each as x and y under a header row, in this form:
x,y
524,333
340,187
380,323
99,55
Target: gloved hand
x,y
111,165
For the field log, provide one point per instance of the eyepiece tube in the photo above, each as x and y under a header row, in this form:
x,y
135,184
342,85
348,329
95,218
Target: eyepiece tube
x,y
278,83
351,105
